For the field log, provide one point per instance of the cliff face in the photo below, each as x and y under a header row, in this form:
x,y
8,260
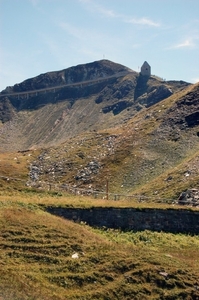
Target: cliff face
x,y
53,106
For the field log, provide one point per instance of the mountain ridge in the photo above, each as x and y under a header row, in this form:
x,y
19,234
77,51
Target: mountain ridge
x,y
139,132
71,75
133,140
94,98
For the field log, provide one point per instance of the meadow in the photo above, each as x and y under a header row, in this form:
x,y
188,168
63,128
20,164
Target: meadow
x,y
47,257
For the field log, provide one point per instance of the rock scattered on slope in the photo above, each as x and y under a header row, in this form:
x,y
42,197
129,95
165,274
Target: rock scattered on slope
x,y
86,173
189,197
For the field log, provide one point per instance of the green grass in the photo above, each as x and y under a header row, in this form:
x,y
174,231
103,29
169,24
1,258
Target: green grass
x,y
36,261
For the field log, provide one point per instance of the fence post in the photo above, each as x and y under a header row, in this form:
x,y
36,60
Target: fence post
x,y
107,189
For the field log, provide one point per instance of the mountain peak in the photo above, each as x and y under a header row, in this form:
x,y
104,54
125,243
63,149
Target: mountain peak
x,y
54,106
80,73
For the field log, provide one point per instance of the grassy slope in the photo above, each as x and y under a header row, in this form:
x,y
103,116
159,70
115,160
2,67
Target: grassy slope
x,y
135,157
131,157
36,260
36,248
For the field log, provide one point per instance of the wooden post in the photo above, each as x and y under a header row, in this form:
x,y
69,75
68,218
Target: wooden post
x,y
107,189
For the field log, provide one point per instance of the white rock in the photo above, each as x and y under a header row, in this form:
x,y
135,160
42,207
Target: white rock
x,y
75,255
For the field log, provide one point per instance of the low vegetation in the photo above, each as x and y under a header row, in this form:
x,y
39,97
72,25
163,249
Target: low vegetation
x,y
113,155
47,257
147,155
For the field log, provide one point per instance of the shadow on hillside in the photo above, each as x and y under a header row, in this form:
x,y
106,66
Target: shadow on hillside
x,y
141,87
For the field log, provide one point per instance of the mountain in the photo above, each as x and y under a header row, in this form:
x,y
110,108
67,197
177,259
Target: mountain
x,y
49,108
104,122
97,130
155,153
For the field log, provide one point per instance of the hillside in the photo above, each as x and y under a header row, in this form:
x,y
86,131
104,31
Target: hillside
x,y
48,109
121,131
96,130
44,257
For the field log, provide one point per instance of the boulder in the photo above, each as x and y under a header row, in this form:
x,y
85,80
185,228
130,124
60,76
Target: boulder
x,y
189,197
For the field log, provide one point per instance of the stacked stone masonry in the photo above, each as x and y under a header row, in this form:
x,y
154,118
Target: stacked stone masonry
x,y
135,219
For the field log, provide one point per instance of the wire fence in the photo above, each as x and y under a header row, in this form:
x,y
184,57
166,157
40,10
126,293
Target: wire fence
x,y
96,194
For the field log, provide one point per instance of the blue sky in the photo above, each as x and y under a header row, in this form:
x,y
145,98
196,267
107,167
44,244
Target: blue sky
x,y
37,36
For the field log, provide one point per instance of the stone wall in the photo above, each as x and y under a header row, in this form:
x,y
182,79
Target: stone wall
x,y
167,220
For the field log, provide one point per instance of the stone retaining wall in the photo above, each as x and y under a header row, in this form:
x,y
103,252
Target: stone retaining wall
x,y
136,219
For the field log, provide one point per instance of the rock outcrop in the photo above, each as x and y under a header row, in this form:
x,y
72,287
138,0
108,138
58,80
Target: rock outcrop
x,y
189,197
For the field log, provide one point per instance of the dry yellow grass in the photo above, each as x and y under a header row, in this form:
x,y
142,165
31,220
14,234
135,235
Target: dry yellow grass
x,y
36,261
44,199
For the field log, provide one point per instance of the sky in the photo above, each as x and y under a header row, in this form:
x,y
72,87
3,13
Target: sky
x,y
38,36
